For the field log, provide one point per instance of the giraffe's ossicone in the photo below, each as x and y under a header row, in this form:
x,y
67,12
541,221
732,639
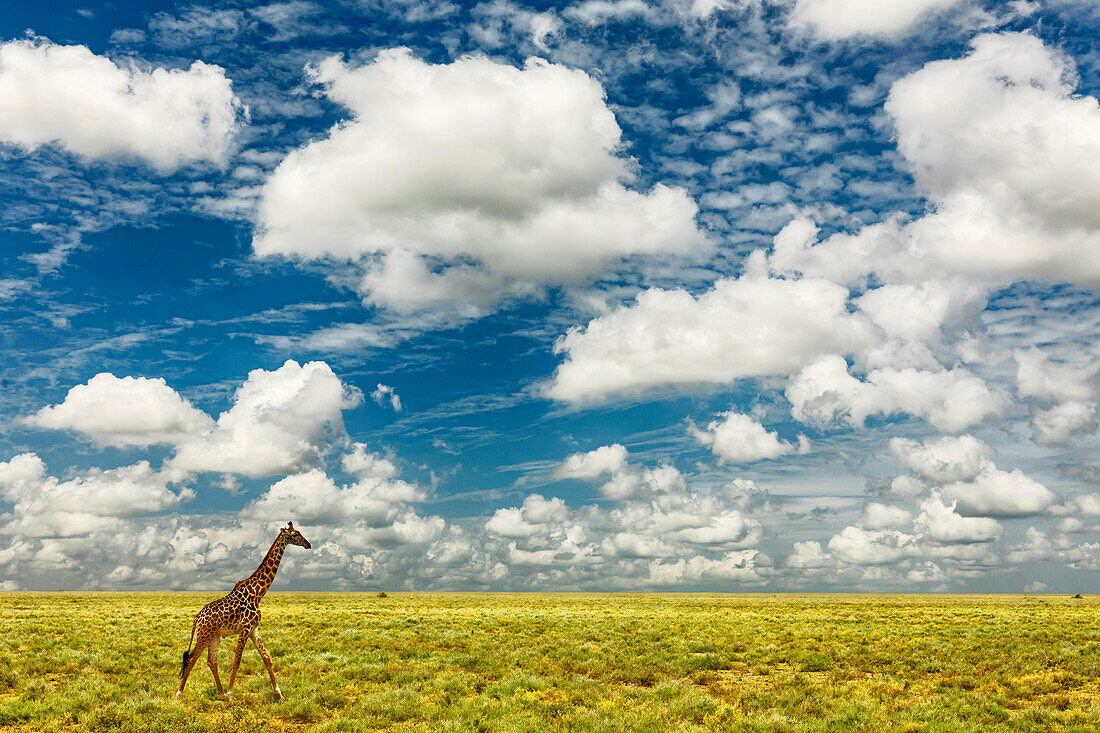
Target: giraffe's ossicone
x,y
238,614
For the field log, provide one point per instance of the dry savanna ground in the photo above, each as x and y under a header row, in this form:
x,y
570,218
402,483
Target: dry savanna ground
x,y
547,662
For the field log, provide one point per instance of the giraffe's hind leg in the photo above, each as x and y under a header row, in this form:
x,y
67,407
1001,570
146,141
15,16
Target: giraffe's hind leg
x,y
212,662
201,642
255,634
237,660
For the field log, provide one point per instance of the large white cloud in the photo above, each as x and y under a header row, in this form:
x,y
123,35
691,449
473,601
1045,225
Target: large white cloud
x,y
997,493
373,511
1008,154
858,546
69,96
459,182
1011,176
847,258
314,498
834,19
605,459
1073,386
275,423
880,516
1038,547
943,459
125,411
46,506
745,327
1037,376
920,312
736,566
738,438
526,520
625,480
943,524
807,556
951,400
918,306
960,470
1058,424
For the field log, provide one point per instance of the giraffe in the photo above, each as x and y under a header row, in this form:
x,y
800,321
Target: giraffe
x,y
238,613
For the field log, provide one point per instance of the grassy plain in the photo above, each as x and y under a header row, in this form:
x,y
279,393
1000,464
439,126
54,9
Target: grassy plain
x,y
549,662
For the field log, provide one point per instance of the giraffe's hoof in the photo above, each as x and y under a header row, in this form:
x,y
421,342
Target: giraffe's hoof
x,y
179,694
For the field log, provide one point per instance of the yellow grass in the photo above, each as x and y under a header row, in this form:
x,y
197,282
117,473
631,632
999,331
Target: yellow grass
x,y
542,662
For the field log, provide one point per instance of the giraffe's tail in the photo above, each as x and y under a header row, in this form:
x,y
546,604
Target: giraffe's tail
x,y
187,654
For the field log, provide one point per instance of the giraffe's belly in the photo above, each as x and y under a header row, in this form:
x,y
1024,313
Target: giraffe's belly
x,y
231,629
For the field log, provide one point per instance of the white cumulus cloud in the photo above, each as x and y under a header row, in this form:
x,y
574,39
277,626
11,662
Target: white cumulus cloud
x,y
751,326
275,423
738,438
314,498
85,103
457,183
1058,424
45,506
880,516
857,546
737,565
950,399
835,19
605,459
123,411
807,556
1007,152
944,525
1037,376
654,513
944,459
625,480
997,493
527,520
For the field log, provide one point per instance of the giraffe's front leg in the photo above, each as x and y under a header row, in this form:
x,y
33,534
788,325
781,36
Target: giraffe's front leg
x,y
255,634
212,661
237,660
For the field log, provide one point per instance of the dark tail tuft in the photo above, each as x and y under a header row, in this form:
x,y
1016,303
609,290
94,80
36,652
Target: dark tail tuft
x,y
183,667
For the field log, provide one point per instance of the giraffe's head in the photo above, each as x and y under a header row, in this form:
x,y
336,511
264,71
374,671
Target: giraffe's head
x,y
293,537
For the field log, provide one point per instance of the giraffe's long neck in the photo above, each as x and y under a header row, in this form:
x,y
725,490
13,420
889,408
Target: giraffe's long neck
x,y
261,580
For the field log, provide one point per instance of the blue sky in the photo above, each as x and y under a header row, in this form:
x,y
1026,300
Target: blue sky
x,y
613,295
